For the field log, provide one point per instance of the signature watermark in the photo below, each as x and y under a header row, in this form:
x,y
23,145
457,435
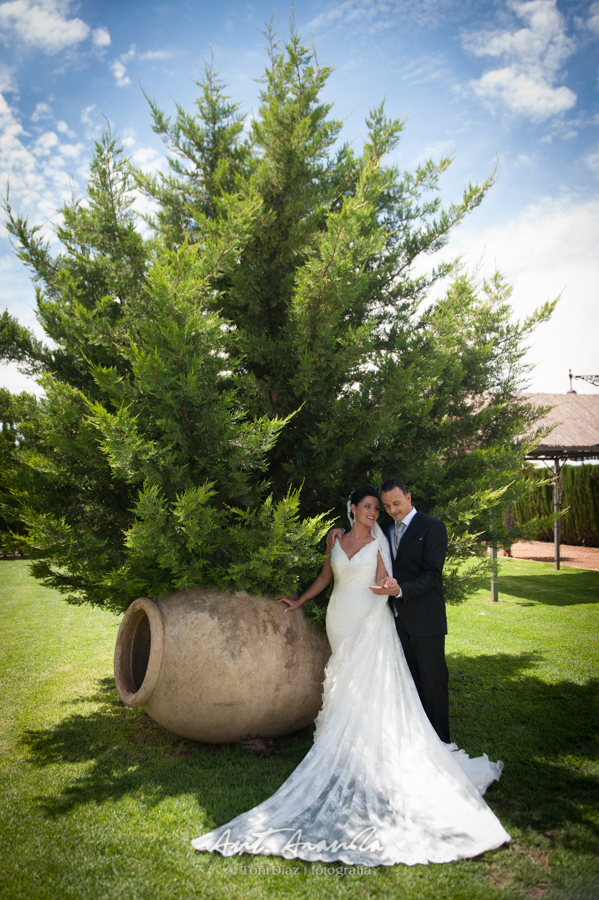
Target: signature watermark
x,y
259,842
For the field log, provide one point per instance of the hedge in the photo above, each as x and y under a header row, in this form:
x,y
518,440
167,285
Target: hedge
x,y
580,498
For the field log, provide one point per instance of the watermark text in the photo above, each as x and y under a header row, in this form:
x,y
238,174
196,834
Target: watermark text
x,y
298,870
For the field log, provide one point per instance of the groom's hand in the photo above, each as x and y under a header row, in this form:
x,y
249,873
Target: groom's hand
x,y
387,588
332,536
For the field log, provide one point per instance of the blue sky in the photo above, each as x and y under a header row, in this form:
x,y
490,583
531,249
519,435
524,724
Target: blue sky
x,y
505,81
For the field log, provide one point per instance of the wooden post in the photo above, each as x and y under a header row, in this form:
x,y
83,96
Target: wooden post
x,y
557,506
494,580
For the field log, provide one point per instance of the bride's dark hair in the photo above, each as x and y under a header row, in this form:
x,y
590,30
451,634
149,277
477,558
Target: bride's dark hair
x,y
367,491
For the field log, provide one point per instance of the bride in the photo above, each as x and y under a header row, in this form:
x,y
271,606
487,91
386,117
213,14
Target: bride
x,y
378,787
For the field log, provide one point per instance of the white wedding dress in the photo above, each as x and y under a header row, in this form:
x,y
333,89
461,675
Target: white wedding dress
x,y
378,787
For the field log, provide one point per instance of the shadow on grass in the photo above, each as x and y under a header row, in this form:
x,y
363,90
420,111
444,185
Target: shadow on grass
x,y
563,588
545,733
129,755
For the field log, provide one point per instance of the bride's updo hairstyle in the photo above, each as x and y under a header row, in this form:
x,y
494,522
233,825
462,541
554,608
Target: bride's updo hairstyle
x,y
358,495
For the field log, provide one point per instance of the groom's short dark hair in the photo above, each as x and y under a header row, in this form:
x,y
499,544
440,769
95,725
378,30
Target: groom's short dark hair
x,y
393,483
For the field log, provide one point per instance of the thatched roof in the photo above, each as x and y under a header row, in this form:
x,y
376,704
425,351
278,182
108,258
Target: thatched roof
x,y
576,421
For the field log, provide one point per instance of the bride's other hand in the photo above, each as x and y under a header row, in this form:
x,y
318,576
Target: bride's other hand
x,y
333,535
387,588
292,602
318,585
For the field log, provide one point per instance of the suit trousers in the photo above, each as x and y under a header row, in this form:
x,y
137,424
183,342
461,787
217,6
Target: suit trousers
x,y
425,657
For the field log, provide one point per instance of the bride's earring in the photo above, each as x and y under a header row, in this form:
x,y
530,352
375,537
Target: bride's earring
x,y
350,514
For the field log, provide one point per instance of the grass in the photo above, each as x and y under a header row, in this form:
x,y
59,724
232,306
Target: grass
x,y
99,803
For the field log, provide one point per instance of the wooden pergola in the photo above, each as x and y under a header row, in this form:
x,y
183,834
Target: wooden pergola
x,y
574,420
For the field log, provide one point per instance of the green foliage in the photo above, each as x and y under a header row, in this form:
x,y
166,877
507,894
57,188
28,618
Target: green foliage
x,y
208,156
18,344
271,545
215,390
579,523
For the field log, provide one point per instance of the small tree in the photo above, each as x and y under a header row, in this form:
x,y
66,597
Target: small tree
x,y
214,391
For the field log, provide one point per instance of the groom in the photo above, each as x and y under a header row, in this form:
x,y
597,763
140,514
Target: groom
x,y
418,547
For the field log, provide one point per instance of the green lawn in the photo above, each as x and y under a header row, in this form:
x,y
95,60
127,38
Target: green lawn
x,y
99,802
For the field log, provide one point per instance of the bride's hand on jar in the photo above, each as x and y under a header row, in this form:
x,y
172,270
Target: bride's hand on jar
x,y
292,602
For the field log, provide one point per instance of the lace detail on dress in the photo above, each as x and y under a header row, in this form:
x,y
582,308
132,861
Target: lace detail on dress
x,y
342,564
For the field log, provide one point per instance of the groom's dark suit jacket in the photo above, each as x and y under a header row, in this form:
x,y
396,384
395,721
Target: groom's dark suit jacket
x,y
418,568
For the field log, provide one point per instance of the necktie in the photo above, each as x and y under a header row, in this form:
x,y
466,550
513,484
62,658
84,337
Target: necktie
x,y
399,530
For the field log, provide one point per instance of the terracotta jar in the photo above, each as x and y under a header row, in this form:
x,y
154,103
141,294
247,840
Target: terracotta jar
x,y
219,667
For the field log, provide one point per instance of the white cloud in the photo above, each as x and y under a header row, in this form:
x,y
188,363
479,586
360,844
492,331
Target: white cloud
x,y
7,82
101,38
93,121
72,151
46,143
592,160
36,167
43,24
63,128
550,248
41,111
532,58
118,67
148,159
18,295
593,19
119,70
47,25
424,69
436,150
525,161
151,55
524,93
16,382
376,15
86,114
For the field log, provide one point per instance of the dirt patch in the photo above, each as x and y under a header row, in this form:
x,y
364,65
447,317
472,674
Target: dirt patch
x,y
542,551
265,747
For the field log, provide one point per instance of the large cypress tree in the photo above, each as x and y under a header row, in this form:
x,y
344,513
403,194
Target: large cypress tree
x,y
266,351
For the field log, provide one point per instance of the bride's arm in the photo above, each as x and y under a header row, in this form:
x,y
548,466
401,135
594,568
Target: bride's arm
x,y
318,585
381,571
386,586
